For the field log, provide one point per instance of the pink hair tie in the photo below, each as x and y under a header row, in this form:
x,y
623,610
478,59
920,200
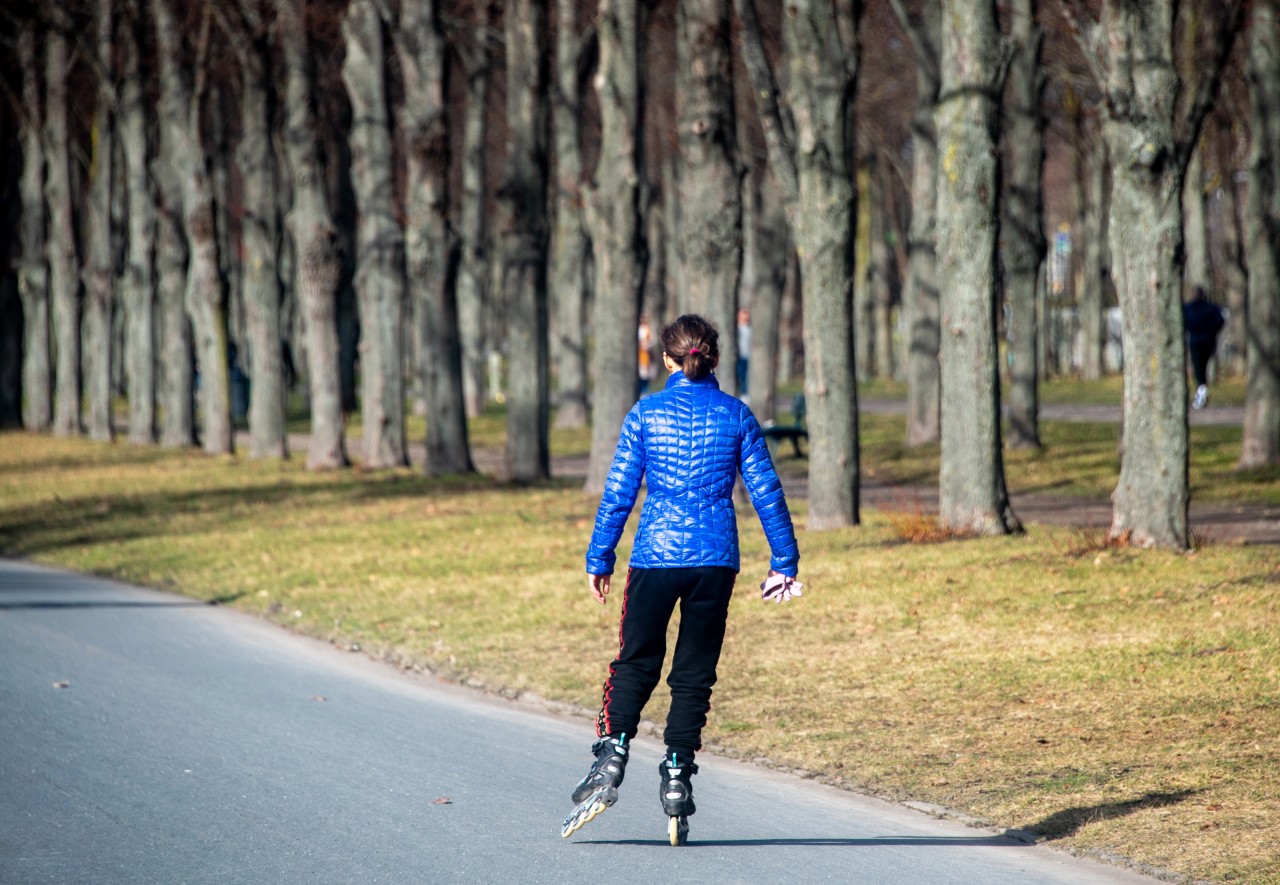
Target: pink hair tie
x,y
693,350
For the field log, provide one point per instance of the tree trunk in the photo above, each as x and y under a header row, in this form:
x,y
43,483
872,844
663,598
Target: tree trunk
x,y
137,296
523,197
63,279
823,63
570,248
772,251
33,269
180,121
1091,296
1261,437
971,495
474,259
379,278
710,181
920,301
863,317
881,276
99,275
1233,281
1195,223
1150,501
1024,241
260,232
613,223
315,242
430,251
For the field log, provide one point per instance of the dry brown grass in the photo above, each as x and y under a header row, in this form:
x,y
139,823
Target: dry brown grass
x,y
1112,699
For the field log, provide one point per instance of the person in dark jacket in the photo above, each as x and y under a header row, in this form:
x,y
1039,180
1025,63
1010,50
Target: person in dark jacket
x,y
1203,321
688,443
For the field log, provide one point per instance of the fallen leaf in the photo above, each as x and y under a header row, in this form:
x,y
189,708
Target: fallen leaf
x,y
62,683
442,800
319,697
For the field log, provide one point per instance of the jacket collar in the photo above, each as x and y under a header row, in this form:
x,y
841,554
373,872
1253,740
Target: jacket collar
x,y
678,379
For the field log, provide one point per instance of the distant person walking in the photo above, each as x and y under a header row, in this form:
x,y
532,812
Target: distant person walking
x,y
688,442
1203,321
644,356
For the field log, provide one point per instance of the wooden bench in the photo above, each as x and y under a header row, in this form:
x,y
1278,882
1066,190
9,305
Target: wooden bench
x,y
794,432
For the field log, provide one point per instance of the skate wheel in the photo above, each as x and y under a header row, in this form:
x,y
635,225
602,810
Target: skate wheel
x,y
678,829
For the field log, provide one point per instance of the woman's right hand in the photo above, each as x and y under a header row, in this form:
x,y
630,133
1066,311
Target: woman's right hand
x,y
599,586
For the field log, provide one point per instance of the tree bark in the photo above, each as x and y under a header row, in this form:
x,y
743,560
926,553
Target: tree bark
x,y
1261,436
61,245
523,197
474,302
1195,224
379,277
180,121
1094,272
430,248
260,233
613,223
570,247
772,250
710,181
311,226
138,296
99,274
1150,501
881,276
1024,241
972,494
920,300
33,268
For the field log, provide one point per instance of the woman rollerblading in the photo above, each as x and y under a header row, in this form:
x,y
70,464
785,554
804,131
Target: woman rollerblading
x,y
687,443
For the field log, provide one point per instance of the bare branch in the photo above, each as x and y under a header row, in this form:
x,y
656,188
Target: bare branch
x,y
926,52
1088,48
1228,27
765,88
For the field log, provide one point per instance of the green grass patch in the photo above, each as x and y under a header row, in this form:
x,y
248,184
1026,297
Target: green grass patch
x,y
1111,699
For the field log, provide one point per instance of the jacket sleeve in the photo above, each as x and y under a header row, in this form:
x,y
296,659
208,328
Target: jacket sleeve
x,y
620,490
770,503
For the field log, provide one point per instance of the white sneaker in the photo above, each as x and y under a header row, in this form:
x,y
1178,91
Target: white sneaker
x,y
1201,398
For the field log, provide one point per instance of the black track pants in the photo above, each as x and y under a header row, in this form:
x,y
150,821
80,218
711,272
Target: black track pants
x,y
647,604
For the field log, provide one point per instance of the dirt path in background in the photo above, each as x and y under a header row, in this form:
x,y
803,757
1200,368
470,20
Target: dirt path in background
x,y
1221,523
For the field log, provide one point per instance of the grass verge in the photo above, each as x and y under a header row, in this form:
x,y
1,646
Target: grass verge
x,y
1112,700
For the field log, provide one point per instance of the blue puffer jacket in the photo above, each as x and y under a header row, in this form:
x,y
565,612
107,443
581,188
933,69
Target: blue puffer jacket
x,y
689,442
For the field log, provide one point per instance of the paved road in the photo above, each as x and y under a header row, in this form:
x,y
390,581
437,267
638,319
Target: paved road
x,y
148,738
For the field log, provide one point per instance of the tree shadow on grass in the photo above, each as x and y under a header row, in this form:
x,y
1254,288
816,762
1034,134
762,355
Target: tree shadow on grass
x,y
1069,821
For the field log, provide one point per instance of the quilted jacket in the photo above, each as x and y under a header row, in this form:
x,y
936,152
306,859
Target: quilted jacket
x,y
688,442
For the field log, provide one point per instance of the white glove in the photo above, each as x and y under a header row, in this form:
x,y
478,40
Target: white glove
x,y
780,588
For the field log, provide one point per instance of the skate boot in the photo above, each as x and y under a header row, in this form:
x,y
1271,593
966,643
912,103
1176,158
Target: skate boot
x,y
677,796
599,789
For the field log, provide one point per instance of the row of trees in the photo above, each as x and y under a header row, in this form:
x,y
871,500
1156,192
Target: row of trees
x,y
405,183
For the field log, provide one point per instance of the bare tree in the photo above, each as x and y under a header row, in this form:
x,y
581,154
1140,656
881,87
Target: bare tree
x,y
138,296
709,185
1024,240
523,197
972,496
570,246
474,259
1261,441
247,32
61,244
430,248
379,278
1150,140
920,302
99,272
311,226
809,137
33,268
613,221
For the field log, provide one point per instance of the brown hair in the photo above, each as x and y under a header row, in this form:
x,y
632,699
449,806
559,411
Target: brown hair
x,y
694,343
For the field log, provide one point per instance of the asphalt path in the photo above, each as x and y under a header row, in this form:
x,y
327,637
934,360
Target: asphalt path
x,y
146,737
